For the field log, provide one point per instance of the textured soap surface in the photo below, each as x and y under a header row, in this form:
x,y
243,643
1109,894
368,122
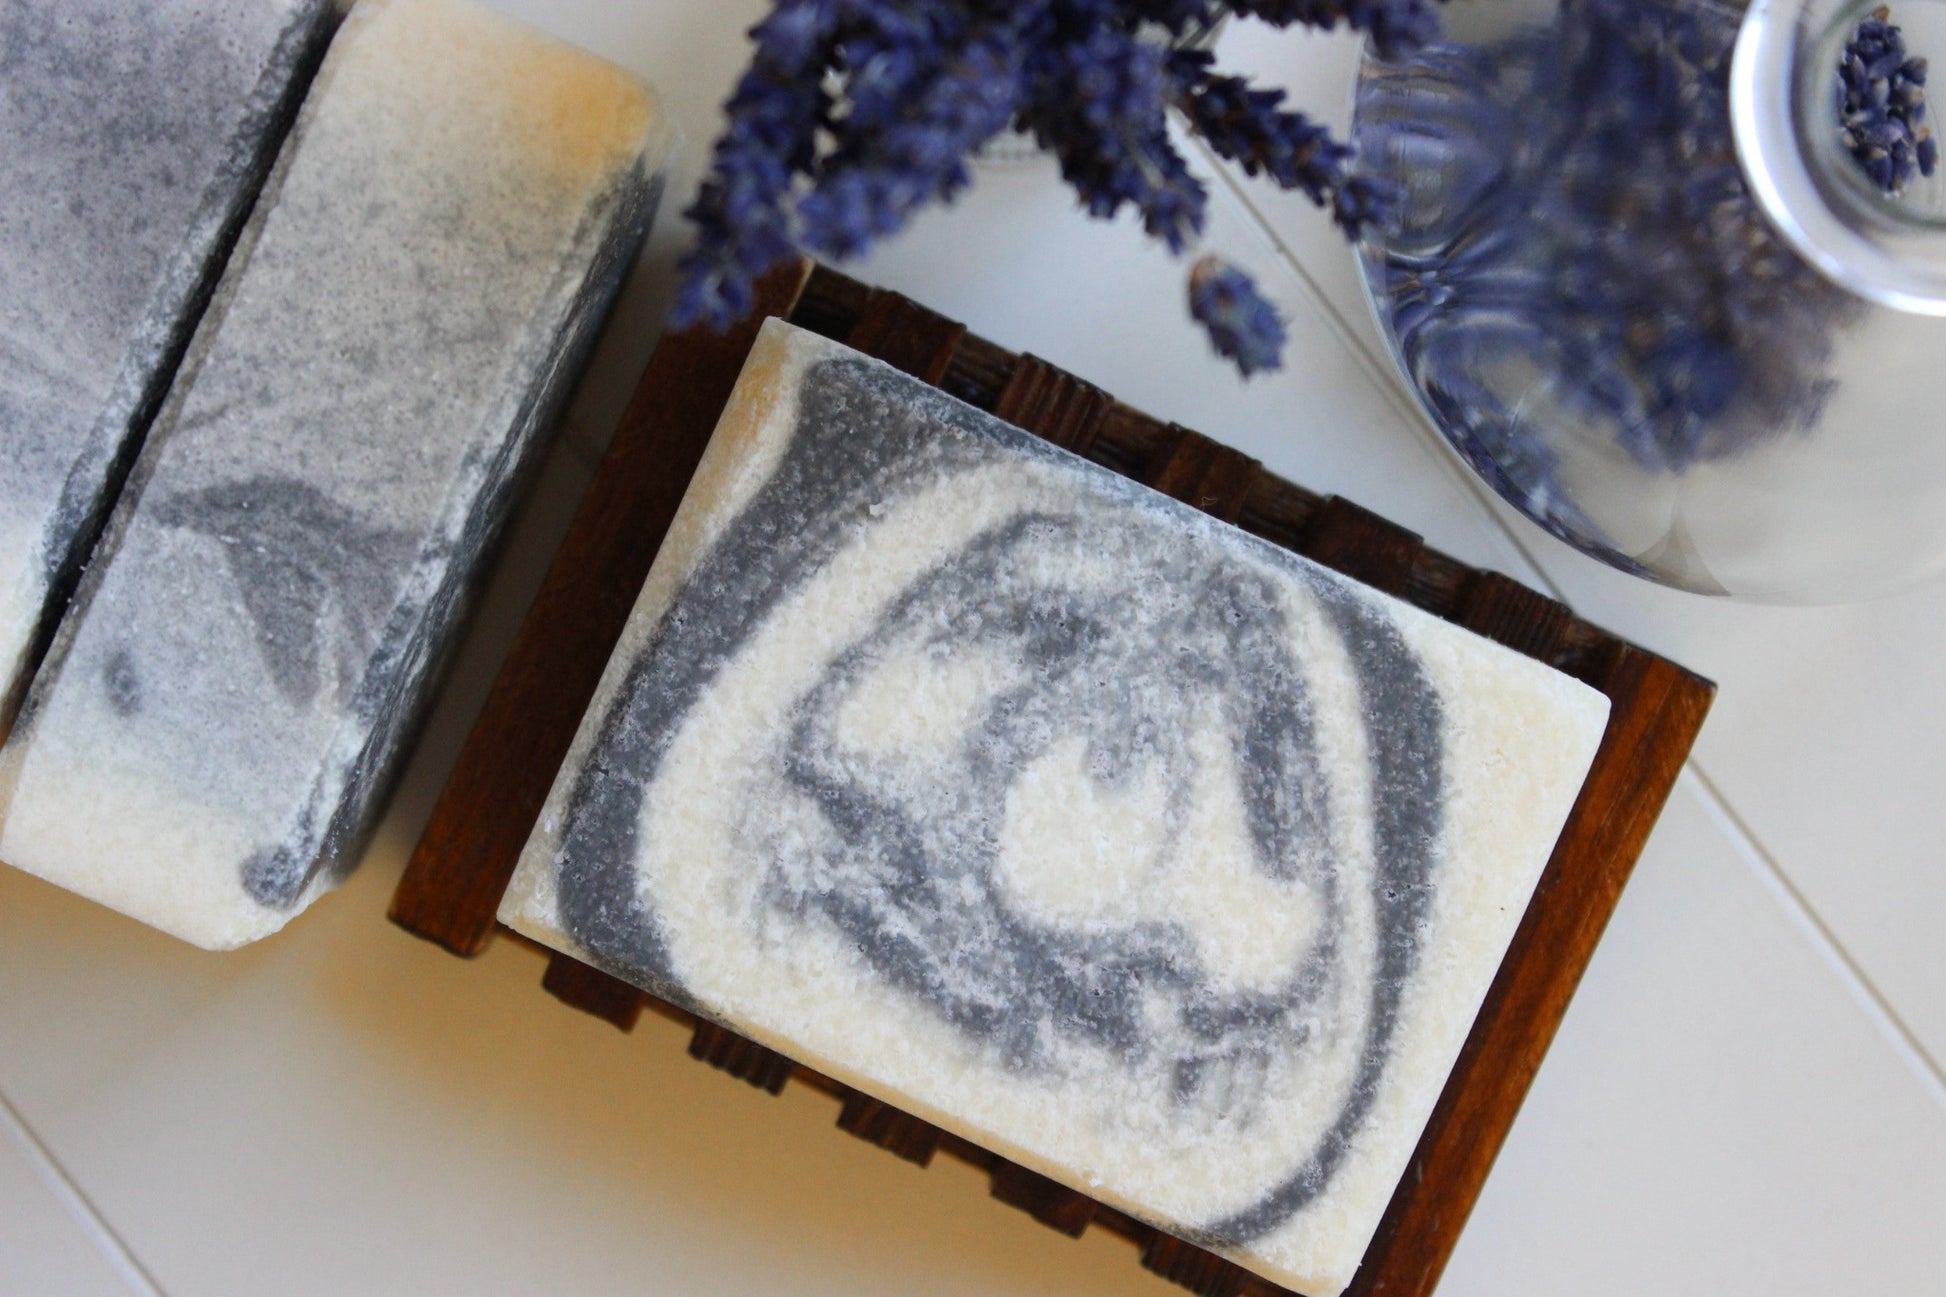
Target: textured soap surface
x,y
1047,808
132,140
442,234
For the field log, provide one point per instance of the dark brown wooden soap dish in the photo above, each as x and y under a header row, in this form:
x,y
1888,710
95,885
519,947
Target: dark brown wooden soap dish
x,y
453,885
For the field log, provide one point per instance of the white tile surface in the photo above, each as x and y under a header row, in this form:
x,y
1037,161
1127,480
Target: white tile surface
x,y
346,1110
44,1250
1716,1116
1826,741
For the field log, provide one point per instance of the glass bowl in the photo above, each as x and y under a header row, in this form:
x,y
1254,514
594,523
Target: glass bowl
x,y
1647,287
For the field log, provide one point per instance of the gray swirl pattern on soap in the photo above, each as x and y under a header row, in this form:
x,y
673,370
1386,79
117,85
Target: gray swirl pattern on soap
x,y
314,577
903,863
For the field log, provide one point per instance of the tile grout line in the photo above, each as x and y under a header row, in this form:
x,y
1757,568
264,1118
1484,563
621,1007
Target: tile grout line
x,y
1793,902
84,1212
1777,881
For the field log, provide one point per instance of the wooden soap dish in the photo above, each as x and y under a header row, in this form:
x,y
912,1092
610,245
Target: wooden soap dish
x,y
452,887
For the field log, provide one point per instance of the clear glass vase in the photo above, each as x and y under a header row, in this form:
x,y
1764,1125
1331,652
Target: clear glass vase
x,y
1649,283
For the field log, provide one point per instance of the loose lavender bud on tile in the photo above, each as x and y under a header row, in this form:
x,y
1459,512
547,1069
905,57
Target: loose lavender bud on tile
x,y
438,242
1116,840
133,138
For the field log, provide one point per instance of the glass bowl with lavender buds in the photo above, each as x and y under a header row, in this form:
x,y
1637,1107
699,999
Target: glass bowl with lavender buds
x,y
1670,275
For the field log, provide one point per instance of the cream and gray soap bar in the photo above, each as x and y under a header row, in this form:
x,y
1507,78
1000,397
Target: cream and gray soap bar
x,y
433,252
1044,807
133,138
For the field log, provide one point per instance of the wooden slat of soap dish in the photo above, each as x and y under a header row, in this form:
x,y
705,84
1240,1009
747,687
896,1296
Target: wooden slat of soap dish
x,y
1203,474
453,884
897,1132
1050,1202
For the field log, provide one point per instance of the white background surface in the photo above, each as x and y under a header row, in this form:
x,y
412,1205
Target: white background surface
x,y
1746,1096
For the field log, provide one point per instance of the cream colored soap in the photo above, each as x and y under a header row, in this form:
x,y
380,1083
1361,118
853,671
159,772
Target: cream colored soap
x,y
1042,806
216,723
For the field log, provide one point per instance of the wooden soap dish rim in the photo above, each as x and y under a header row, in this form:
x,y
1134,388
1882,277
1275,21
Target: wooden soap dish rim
x,y
452,886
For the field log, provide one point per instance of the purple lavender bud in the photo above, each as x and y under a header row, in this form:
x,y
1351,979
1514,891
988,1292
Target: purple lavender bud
x,y
1881,105
1365,203
1251,127
794,33
1241,322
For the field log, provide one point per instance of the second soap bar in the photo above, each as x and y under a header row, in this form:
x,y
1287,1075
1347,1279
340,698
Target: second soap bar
x,y
214,725
133,138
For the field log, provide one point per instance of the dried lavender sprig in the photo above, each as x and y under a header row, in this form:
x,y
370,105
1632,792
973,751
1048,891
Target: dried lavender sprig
x,y
910,125
1251,127
1396,27
1241,322
1099,103
1882,105
743,226
856,113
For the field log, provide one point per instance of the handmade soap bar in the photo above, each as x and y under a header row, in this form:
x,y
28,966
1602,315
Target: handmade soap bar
x,y
132,140
1053,811
434,250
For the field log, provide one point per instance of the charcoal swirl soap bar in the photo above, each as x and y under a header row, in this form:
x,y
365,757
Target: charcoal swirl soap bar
x,y
1006,790
133,138
433,252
